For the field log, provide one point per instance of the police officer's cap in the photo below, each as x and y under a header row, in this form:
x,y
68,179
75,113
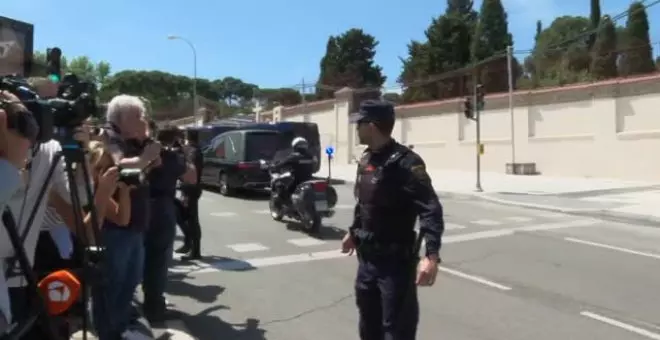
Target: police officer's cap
x,y
374,111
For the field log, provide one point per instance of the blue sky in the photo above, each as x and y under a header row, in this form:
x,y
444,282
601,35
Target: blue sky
x,y
272,43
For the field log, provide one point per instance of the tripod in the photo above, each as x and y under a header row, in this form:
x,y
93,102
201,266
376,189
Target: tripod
x,y
73,154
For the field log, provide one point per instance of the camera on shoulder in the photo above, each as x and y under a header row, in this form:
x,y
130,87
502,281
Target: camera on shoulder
x,y
56,117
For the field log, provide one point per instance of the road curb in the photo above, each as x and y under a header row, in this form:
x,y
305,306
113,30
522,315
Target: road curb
x,y
594,212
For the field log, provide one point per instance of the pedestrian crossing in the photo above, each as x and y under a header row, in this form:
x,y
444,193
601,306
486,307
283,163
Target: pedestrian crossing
x,y
300,243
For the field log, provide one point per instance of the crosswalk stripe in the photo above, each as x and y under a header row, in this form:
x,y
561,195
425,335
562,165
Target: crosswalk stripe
x,y
306,242
247,247
223,214
453,226
486,222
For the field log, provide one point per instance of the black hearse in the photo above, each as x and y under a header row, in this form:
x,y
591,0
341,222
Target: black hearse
x,y
232,159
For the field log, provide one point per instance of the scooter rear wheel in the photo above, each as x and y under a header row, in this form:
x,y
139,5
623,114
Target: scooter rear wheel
x,y
275,209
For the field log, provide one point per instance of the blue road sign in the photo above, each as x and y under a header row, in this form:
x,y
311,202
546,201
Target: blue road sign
x,y
329,150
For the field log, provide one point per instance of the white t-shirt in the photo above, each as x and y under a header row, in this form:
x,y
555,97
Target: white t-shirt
x,y
53,222
25,199
8,186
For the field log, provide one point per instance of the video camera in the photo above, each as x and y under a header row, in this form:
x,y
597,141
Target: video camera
x,y
57,117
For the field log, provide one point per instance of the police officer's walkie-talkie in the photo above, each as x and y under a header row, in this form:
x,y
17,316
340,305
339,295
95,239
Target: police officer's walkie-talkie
x,y
53,58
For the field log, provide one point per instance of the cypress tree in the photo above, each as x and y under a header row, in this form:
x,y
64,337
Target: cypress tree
x,y
604,55
491,39
638,50
595,21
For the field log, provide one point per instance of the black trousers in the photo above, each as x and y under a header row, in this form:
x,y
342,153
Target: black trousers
x,y
188,221
194,227
182,220
386,296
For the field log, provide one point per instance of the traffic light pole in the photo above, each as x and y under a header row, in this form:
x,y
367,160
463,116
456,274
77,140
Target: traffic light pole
x,y
477,118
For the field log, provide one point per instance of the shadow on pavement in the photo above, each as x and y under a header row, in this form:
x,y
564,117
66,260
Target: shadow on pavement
x,y
325,232
251,195
203,294
205,325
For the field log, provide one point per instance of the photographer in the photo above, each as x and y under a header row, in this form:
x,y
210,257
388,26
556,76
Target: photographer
x,y
18,130
25,205
127,145
159,239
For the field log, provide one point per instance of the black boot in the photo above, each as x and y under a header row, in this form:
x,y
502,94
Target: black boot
x,y
194,254
184,249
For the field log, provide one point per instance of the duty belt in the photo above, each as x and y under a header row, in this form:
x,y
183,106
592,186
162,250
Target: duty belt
x,y
378,249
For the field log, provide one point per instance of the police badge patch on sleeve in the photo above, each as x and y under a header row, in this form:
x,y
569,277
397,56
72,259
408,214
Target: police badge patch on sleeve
x,y
419,171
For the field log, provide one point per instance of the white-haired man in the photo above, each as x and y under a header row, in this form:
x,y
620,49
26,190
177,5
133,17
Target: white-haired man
x,y
124,255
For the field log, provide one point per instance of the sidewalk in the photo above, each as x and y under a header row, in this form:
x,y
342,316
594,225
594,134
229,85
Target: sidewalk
x,y
632,201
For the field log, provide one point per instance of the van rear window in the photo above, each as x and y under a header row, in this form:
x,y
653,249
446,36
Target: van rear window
x,y
262,145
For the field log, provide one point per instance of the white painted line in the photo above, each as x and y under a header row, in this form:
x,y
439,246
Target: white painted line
x,y
177,330
453,226
238,265
477,236
247,247
474,278
481,235
615,248
262,211
622,325
223,214
333,254
486,222
306,242
344,206
551,215
559,225
519,219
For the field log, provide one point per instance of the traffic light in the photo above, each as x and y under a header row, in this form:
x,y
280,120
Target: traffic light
x,y
467,108
480,97
53,58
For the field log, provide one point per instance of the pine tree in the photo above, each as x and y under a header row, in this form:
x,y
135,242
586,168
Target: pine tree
x,y
349,62
604,55
638,50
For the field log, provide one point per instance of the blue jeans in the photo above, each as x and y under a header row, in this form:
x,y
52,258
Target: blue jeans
x,y
158,245
121,268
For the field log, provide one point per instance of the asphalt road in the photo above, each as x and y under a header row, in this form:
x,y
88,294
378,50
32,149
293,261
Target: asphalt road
x,y
508,273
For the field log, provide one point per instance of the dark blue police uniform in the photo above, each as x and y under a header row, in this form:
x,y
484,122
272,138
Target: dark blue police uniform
x,y
393,190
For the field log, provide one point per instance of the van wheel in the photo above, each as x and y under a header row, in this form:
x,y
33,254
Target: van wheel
x,y
223,183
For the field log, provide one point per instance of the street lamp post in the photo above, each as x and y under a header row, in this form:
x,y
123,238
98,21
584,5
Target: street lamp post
x,y
194,51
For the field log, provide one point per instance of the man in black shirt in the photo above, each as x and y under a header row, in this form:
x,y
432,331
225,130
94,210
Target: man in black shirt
x,y
393,190
191,194
159,238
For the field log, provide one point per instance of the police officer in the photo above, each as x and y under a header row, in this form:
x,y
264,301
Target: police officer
x,y
392,189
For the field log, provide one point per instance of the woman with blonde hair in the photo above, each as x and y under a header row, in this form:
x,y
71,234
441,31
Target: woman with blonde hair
x,y
112,297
